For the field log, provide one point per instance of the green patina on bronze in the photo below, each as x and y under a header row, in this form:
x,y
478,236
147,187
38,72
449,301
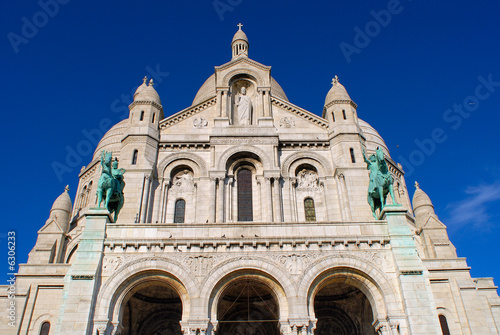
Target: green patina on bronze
x,y
110,184
380,181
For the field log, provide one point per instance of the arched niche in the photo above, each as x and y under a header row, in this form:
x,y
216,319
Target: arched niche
x,y
244,100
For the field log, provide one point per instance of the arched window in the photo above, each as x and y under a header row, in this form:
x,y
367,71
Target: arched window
x,y
245,207
180,211
134,157
353,158
309,209
44,330
444,324
333,116
153,119
142,116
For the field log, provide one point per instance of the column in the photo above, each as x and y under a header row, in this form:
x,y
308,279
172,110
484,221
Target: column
x,y
213,195
165,200
227,198
293,195
325,203
268,199
224,109
145,198
234,198
158,204
219,98
277,200
267,103
220,200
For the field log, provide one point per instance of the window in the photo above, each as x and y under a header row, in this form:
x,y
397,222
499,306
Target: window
x,y
180,211
142,116
134,157
153,120
309,209
245,207
333,116
44,330
343,113
353,159
444,325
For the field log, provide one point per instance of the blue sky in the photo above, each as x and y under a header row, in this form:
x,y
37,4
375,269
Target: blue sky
x,y
425,74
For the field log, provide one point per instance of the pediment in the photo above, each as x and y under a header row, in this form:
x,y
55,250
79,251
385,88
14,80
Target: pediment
x,y
51,227
296,112
433,223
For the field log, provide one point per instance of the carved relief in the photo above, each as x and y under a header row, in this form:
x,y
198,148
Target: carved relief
x,y
200,123
307,180
110,264
287,122
294,263
183,181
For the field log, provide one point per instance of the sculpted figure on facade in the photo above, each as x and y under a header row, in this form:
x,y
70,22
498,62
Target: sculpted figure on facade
x,y
307,178
110,185
244,107
380,181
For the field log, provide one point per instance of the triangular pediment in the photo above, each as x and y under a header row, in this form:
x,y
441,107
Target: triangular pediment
x,y
242,60
51,227
433,223
298,112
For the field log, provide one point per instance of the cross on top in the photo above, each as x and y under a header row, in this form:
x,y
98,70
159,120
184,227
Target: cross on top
x,y
335,80
417,186
240,25
66,188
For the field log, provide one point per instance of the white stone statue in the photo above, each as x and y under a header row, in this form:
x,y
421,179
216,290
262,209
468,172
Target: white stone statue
x,y
244,106
307,178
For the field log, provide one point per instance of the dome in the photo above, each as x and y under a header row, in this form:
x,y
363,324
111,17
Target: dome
x,y
111,141
63,202
147,92
240,35
421,200
337,92
207,91
373,138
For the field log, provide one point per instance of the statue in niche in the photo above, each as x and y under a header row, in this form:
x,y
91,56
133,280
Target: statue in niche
x,y
184,180
244,107
308,178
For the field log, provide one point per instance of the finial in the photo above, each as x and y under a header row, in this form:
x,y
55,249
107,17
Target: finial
x,y
417,185
151,82
66,189
145,79
240,25
335,80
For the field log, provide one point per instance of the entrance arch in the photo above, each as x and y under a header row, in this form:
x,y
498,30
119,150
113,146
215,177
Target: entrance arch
x,y
152,308
248,306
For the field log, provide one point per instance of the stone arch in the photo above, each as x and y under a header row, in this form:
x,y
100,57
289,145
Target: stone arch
x,y
451,320
322,165
358,273
215,282
38,322
133,273
72,247
266,162
194,161
227,79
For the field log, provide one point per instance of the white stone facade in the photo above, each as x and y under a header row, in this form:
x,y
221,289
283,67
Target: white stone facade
x,y
255,226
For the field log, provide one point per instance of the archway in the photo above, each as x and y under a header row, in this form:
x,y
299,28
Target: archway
x,y
248,307
152,308
342,309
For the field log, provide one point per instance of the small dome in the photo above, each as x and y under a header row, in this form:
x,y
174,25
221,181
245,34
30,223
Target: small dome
x,y
112,140
337,92
147,92
373,138
63,202
240,35
421,201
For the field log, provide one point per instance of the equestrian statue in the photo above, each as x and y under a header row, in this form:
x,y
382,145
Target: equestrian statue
x,y
110,185
380,181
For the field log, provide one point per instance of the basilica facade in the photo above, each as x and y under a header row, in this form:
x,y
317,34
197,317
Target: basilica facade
x,y
246,214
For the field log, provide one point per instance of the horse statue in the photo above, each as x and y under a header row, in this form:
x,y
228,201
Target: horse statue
x,y
380,181
110,185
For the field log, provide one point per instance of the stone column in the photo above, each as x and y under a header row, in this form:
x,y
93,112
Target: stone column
x,y
293,195
213,194
227,201
220,200
277,200
325,203
416,293
164,202
268,199
145,198
84,276
234,199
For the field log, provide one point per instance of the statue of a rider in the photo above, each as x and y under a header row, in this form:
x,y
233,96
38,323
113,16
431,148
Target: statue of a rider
x,y
110,185
381,181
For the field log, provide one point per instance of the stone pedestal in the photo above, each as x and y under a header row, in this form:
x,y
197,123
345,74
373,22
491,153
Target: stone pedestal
x,y
82,281
414,283
221,122
265,121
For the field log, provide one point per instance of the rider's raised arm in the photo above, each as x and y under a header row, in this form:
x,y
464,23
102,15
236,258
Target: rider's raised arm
x,y
366,159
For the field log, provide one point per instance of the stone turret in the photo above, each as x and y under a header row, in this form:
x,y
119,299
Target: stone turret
x,y
432,231
240,45
51,241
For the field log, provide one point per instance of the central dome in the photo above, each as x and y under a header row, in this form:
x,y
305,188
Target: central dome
x,y
207,91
